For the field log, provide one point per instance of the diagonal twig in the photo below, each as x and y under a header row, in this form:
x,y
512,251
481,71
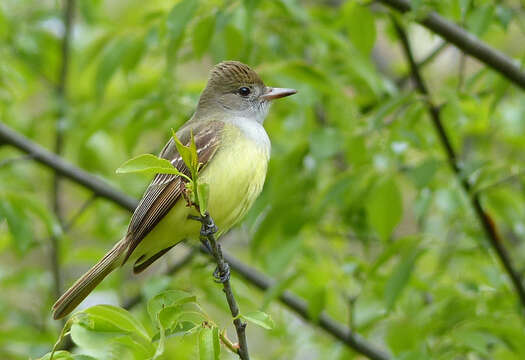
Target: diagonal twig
x,y
488,225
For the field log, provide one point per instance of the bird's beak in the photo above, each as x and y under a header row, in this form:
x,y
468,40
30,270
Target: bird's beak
x,y
276,93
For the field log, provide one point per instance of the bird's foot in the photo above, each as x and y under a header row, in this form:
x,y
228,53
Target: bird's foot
x,y
208,227
222,276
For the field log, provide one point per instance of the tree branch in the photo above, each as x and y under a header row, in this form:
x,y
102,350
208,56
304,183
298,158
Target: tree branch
x,y
103,190
66,169
488,225
67,19
222,273
426,60
467,42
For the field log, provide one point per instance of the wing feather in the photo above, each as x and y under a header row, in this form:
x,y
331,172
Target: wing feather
x,y
166,189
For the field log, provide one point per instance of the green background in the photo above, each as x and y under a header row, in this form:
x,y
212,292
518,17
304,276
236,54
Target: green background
x,y
361,214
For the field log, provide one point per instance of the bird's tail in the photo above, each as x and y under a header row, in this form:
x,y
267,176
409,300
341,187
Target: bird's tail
x,y
83,286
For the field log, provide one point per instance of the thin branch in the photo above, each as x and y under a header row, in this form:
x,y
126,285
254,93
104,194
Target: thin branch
x,y
426,60
79,212
467,42
61,94
104,190
400,82
506,179
223,275
488,225
66,169
67,18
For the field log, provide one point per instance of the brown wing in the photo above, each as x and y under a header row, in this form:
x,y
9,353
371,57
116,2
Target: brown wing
x,y
166,189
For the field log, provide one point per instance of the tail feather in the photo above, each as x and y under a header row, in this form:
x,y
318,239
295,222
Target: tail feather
x,y
83,286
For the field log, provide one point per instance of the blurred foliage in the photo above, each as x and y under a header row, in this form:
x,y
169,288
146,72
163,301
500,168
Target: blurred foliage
x,y
360,214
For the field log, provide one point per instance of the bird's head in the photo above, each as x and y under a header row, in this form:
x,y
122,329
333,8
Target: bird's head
x,y
235,89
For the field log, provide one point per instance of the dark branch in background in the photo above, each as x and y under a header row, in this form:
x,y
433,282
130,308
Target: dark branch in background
x,y
222,273
488,225
404,78
467,42
61,94
103,190
79,212
421,64
97,186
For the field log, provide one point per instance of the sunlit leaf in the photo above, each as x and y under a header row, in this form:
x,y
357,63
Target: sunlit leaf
x,y
384,207
148,164
400,276
168,298
259,318
206,348
203,35
178,18
360,25
203,191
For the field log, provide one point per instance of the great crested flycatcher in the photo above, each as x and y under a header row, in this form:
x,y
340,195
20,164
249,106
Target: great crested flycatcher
x,y
234,149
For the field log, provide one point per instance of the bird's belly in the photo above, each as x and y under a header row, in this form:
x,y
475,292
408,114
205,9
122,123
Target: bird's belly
x,y
235,176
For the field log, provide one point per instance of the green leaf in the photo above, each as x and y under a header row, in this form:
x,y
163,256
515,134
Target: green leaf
x,y
109,318
168,298
135,51
203,35
19,223
206,344
360,26
216,343
325,142
277,289
384,207
66,355
389,107
259,318
480,19
400,276
188,153
316,302
177,20
103,328
203,192
234,41
109,64
504,15
148,164
423,173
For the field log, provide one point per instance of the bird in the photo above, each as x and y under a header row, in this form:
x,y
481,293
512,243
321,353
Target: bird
x,y
234,149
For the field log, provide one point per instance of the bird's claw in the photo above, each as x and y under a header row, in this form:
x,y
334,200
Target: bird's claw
x,y
208,229
222,276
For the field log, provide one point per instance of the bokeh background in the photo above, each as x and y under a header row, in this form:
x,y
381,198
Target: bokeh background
x,y
361,215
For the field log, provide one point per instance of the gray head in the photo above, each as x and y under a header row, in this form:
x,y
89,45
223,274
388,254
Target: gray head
x,y
236,90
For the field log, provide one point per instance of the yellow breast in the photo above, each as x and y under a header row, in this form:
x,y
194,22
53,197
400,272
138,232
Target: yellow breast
x,y
235,175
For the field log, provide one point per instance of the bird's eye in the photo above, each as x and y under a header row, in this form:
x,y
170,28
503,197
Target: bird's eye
x,y
244,91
